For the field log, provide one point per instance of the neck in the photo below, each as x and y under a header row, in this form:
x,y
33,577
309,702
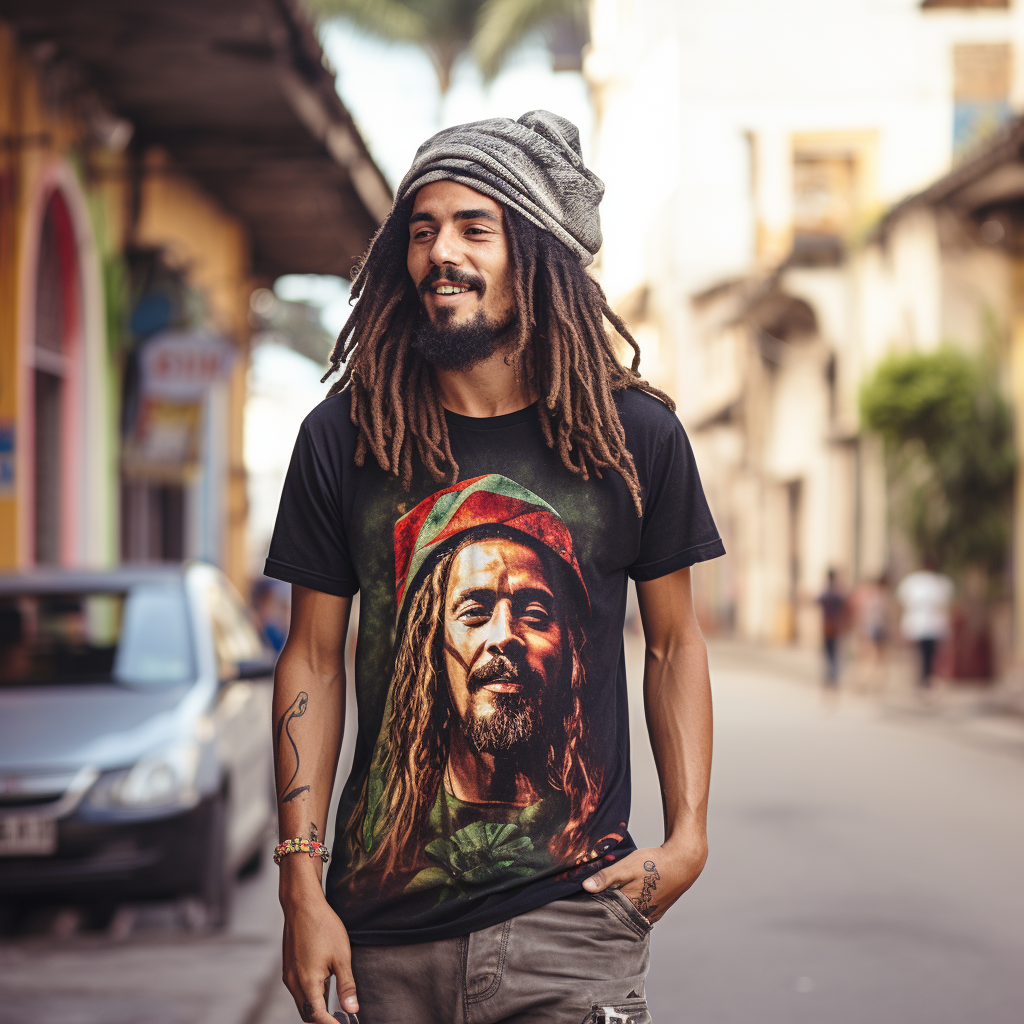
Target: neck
x,y
483,779
489,388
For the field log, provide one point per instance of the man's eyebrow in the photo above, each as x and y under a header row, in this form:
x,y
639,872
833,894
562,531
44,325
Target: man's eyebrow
x,y
481,594
476,215
459,215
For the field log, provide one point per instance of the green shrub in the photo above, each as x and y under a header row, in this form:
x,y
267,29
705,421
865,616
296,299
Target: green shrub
x,y
950,455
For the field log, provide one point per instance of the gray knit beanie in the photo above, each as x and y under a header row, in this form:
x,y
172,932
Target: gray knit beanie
x,y
533,165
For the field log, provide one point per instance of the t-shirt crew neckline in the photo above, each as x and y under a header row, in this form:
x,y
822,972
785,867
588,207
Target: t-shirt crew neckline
x,y
508,419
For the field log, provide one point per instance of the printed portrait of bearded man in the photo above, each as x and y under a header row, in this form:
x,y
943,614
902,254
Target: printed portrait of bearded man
x,y
487,693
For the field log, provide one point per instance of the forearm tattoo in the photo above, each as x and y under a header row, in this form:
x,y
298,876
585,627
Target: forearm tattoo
x,y
296,709
651,878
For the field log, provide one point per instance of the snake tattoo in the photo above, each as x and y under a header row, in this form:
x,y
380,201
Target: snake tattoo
x,y
296,709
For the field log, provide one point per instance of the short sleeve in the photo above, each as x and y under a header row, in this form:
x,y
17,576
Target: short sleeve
x,y
677,528
309,546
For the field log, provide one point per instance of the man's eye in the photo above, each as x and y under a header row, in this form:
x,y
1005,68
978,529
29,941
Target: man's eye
x,y
473,613
537,614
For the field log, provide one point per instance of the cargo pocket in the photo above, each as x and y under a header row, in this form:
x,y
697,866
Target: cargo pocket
x,y
632,1011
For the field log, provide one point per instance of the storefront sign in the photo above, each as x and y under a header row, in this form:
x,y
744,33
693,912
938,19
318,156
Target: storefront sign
x,y
181,367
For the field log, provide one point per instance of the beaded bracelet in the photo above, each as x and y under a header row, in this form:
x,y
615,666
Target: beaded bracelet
x,y
300,845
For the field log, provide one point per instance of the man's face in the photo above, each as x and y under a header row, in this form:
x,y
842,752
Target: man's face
x,y
459,262
504,642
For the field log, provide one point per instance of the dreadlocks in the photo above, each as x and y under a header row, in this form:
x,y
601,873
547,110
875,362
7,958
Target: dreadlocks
x,y
558,341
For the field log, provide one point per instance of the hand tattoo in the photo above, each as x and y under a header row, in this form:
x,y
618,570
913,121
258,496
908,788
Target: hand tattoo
x,y
651,879
296,709
307,1012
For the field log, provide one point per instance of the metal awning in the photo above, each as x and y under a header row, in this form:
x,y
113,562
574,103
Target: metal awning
x,y
239,94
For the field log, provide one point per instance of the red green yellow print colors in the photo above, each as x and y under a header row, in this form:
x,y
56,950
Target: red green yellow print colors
x,y
483,773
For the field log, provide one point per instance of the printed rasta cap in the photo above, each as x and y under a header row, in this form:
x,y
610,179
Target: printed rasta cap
x,y
491,500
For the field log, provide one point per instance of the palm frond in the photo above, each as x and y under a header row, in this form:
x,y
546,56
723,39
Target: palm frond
x,y
389,19
503,24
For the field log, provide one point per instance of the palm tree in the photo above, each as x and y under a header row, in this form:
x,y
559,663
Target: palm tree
x,y
489,29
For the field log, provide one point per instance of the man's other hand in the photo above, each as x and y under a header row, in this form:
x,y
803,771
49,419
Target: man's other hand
x,y
315,947
653,878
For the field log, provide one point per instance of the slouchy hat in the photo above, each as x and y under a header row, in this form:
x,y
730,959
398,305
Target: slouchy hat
x,y
437,522
533,165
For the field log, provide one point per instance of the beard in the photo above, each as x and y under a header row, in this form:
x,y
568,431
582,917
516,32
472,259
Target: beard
x,y
516,719
457,345
512,724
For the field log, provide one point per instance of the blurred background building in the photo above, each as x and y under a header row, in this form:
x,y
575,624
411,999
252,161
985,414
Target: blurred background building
x,y
183,192
157,164
747,238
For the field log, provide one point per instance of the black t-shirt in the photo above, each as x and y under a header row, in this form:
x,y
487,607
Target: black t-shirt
x,y
491,771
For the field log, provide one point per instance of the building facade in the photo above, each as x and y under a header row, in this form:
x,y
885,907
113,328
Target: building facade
x,y
156,165
750,151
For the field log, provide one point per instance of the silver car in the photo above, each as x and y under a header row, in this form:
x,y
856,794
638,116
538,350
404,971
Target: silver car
x,y
135,755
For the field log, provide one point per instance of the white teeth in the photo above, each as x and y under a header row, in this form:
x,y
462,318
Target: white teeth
x,y
451,289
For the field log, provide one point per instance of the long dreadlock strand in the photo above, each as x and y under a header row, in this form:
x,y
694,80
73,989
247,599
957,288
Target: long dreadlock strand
x,y
559,344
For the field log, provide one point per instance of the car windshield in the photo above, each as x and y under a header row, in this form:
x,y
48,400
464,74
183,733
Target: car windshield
x,y
138,636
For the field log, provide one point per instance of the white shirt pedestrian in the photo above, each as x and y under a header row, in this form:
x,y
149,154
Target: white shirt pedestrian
x,y
925,597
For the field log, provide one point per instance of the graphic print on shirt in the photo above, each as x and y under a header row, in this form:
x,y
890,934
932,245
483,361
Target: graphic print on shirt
x,y
484,773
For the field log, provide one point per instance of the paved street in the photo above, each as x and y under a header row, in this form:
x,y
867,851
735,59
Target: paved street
x,y
867,865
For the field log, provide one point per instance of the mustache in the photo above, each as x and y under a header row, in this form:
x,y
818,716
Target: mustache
x,y
452,274
499,667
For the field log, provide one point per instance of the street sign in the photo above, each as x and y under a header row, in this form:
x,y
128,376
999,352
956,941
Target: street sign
x,y
181,367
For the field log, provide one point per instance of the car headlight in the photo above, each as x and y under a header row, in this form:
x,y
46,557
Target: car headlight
x,y
164,779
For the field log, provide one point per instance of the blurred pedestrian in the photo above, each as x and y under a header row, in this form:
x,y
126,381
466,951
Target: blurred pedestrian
x,y
488,476
871,607
925,596
833,621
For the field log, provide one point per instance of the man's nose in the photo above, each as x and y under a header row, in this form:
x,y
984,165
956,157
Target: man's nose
x,y
501,629
445,248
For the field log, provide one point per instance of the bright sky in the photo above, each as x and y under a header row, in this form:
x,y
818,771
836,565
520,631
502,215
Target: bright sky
x,y
391,91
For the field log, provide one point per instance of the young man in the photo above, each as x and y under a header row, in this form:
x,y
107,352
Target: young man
x,y
487,475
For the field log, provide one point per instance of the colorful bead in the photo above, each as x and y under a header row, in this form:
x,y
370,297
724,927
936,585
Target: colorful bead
x,y
300,845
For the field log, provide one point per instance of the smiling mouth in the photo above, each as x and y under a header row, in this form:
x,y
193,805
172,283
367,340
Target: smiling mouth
x,y
447,288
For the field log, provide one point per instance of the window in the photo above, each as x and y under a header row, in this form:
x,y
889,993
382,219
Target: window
x,y
824,192
139,637
235,637
832,182
981,93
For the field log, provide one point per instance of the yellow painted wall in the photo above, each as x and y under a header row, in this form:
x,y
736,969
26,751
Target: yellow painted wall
x,y
174,213
34,138
213,246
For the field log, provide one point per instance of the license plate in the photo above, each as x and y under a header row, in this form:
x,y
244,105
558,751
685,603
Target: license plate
x,y
27,837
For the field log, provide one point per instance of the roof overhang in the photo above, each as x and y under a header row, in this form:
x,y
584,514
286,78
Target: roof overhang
x,y
239,94
993,177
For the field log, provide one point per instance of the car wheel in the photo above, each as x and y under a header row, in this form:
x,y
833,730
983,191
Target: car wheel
x,y
218,879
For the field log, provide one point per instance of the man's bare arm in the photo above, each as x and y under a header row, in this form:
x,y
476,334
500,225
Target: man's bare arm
x,y
677,701
309,716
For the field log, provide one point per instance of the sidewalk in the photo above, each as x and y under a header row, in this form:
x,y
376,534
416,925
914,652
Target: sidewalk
x,y
147,968
989,715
